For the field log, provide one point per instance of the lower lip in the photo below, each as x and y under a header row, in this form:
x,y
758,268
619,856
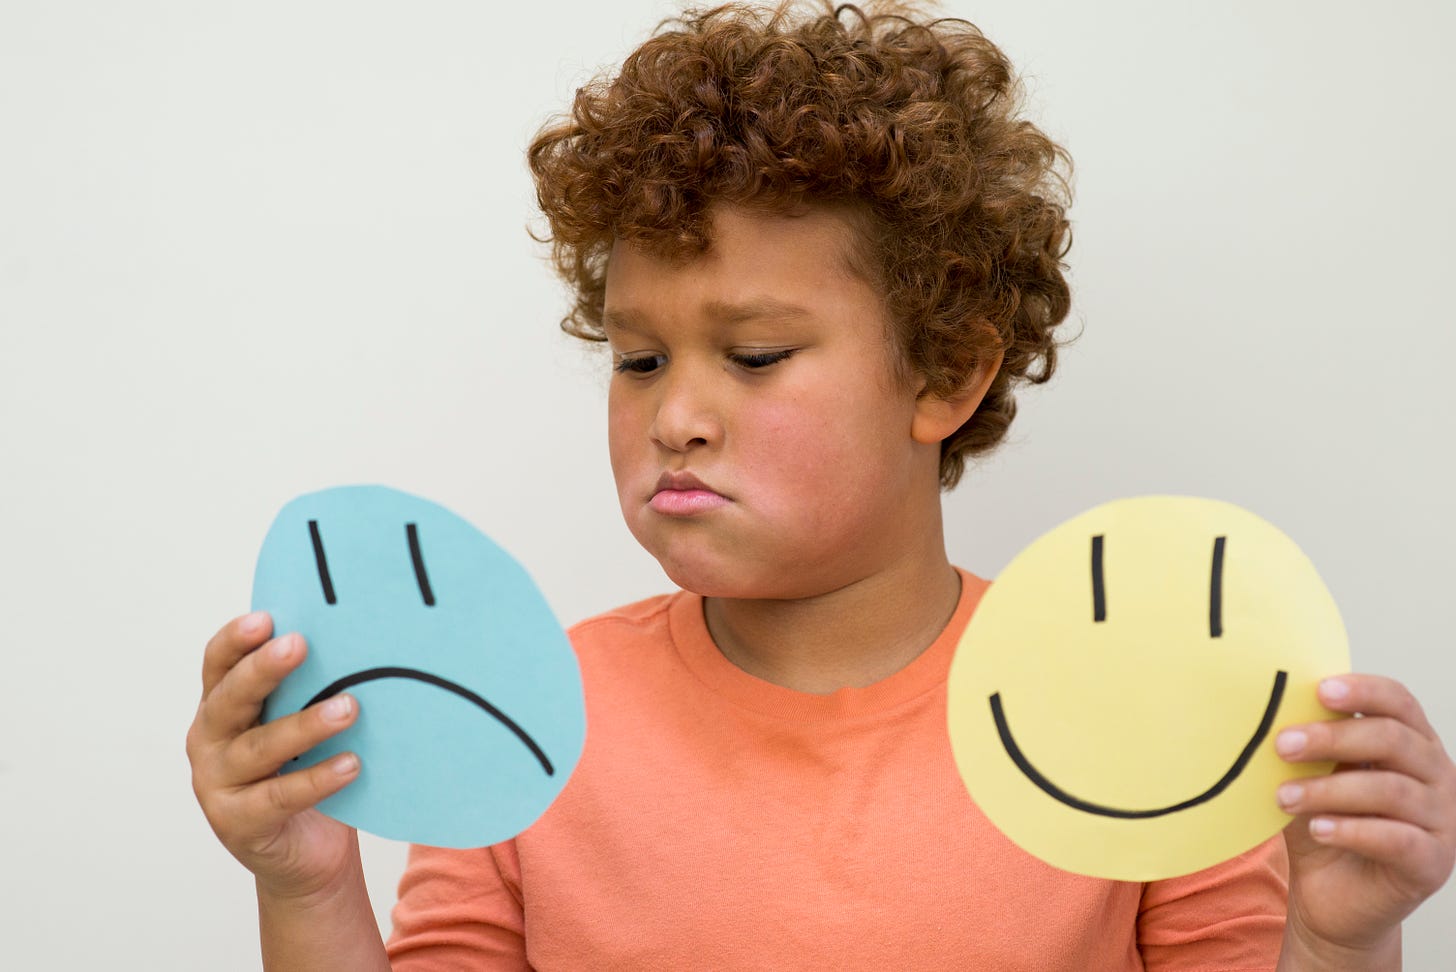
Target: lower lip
x,y
686,502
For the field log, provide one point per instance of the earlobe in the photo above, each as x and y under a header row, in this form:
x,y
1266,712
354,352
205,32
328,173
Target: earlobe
x,y
936,418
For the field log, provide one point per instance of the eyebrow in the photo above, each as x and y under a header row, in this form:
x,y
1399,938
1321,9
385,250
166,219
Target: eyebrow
x,y
725,312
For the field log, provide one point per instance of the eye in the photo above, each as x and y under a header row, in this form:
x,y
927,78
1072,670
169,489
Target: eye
x,y
761,359
639,364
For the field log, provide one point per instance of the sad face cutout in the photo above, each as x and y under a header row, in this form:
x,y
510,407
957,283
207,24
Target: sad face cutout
x,y
1113,702
471,715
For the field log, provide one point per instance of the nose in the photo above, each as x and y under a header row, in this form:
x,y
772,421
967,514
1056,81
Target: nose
x,y
686,416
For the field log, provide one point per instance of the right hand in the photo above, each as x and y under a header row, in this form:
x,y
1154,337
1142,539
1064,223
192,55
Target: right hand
x,y
264,819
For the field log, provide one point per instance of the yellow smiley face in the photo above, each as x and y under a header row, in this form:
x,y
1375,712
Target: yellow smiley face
x,y
1114,700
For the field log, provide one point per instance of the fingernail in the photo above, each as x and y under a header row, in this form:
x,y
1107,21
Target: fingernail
x,y
1334,689
338,708
345,764
283,647
1289,794
1321,827
1291,742
251,623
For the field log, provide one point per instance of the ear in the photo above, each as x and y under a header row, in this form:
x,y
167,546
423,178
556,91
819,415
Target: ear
x,y
936,419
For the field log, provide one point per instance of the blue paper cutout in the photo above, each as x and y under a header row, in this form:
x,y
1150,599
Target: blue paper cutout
x,y
471,715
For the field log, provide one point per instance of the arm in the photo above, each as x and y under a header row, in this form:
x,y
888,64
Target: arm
x,y
1229,916
460,909
1370,841
332,929
1301,955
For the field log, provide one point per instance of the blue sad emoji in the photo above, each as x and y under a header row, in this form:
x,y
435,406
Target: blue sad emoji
x,y
471,715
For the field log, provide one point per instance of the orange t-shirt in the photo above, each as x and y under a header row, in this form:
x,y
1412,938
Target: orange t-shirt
x,y
718,821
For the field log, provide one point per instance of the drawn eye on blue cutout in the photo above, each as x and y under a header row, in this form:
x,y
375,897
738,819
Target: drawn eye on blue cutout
x,y
471,716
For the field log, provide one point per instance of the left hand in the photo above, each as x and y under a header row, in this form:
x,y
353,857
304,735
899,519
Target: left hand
x,y
1374,839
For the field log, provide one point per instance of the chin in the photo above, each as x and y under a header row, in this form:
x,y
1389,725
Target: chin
x,y
731,578
722,567
695,569
708,579
684,560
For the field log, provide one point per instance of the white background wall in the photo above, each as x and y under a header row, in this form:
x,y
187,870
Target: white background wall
x,y
249,250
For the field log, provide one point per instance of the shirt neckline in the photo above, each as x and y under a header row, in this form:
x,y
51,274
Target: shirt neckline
x,y
689,633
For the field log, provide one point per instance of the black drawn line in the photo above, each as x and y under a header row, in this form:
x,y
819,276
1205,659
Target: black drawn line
x,y
370,674
322,561
419,562
1215,591
1076,803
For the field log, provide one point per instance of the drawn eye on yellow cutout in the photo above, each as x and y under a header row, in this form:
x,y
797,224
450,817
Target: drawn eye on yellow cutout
x,y
1118,723
1099,615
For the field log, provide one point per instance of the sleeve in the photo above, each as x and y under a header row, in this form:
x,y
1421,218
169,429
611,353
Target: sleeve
x,y
1228,918
459,909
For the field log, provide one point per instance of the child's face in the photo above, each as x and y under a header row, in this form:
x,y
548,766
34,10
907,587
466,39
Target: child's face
x,y
792,422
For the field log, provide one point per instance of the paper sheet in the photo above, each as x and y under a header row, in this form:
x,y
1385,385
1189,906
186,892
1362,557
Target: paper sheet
x,y
1114,701
471,715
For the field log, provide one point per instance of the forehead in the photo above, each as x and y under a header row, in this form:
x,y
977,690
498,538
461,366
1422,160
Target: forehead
x,y
758,266
763,308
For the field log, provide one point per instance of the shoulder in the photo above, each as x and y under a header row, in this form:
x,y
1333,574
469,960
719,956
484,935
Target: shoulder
x,y
630,663
639,622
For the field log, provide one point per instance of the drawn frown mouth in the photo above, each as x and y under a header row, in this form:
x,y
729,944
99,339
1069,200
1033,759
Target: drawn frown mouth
x,y
427,594
372,674
1077,803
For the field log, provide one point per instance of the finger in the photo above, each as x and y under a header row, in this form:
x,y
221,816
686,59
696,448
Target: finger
x,y
232,641
1420,861
1378,793
268,803
1381,742
1375,695
263,750
235,703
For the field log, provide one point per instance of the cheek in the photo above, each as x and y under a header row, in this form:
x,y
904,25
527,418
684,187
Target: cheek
x,y
793,439
625,436
831,453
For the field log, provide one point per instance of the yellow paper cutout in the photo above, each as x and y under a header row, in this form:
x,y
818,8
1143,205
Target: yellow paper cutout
x,y
1141,746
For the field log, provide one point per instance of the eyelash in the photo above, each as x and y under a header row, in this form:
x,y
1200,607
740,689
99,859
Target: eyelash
x,y
762,359
633,365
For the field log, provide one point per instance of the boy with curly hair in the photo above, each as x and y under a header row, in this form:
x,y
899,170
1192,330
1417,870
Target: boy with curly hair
x,y
823,249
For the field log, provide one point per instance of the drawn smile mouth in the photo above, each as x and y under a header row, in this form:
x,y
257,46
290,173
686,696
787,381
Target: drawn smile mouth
x,y
372,674
1077,803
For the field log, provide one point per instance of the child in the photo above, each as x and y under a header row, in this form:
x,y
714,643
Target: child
x,y
823,249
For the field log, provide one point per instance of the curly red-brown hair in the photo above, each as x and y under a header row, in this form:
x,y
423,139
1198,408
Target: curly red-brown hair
x,y
914,124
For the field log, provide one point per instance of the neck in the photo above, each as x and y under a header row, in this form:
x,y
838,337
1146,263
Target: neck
x,y
853,636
